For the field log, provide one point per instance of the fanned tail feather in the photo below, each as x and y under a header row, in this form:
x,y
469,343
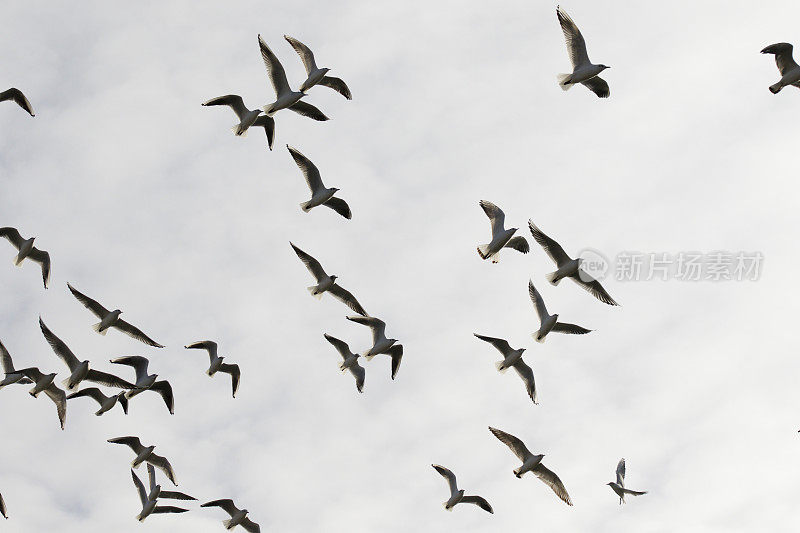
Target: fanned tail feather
x,y
502,369
313,288
227,523
483,250
775,89
563,82
305,206
537,339
553,278
96,327
238,130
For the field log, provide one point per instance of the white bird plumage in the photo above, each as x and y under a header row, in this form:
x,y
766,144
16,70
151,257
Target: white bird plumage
x,y
583,70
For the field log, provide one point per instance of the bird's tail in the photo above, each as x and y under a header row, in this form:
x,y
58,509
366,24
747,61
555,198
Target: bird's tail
x,y
446,508
775,89
18,259
96,327
238,130
366,355
312,290
538,337
227,523
563,82
553,278
483,251
306,206
502,369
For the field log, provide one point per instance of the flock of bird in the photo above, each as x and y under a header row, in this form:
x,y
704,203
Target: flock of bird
x,y
78,371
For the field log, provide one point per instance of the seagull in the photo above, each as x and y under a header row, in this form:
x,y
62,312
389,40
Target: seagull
x,y
583,71
550,322
28,250
619,486
568,267
156,492
501,237
790,71
286,98
350,360
380,344
45,383
457,496
106,402
316,75
238,516
320,195
216,364
246,116
110,319
145,381
326,283
513,358
149,503
20,99
80,370
3,510
145,453
532,463
11,375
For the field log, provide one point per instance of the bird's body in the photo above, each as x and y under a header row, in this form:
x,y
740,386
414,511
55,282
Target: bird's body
x,y
548,322
619,486
789,69
217,364
247,117
17,97
327,283
285,97
11,376
150,500
380,344
349,360
532,463
501,237
513,359
320,194
238,517
316,75
146,381
583,70
26,250
457,495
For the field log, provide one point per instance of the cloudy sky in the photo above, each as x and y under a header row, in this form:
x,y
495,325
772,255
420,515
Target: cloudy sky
x,y
147,202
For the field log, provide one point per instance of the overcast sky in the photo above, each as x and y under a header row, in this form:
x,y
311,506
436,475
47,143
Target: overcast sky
x,y
148,203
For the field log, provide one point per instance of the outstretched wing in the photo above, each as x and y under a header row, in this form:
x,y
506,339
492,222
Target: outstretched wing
x,y
572,329
98,310
347,298
538,302
163,464
268,123
274,69
340,206
514,444
132,331
250,526
552,481
501,344
576,45
209,346
59,347
161,509
449,476
138,363
396,353
132,442
165,390
479,501
551,247
598,86
338,85
109,380
518,243
307,110
593,287
309,170
91,392
12,235
496,216
377,325
342,347
305,53
59,397
234,101
526,374
359,373
226,505
43,258
783,56
139,488
235,373
16,95
621,473
312,264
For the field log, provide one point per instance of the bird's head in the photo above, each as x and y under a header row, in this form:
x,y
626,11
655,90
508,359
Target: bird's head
x,y
604,67
334,278
610,483
335,190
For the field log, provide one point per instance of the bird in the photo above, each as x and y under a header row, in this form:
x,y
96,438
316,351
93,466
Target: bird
x,y
216,364
145,381
350,360
11,376
583,71
326,283
316,75
106,402
457,496
380,344
501,237
513,358
246,116
550,322
3,510
789,69
149,501
79,370
19,98
619,486
157,492
26,249
111,319
568,267
532,463
45,383
145,453
320,195
238,516
285,97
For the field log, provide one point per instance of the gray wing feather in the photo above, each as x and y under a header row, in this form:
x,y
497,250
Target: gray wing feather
x,y
109,380
250,526
551,247
307,110
552,480
449,476
162,464
98,310
59,397
139,488
305,53
496,216
347,298
234,101
43,258
501,344
340,206
338,85
514,444
621,473
598,86
312,264
165,390
593,287
132,442
274,68
396,353
518,243
226,505
20,99
576,45
538,302
235,373
572,329
13,236
479,501
526,374
783,56
209,346
138,363
342,347
136,333
309,170
377,325
59,347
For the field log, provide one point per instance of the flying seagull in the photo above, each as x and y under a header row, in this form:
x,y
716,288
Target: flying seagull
x,y
326,283
3,510
238,516
11,376
513,358
790,71
111,319
532,463
26,249
550,322
106,402
20,99
285,97
145,453
79,370
145,381
320,195
149,503
350,360
380,344
316,75
501,237
619,486
216,364
568,267
583,71
246,116
45,383
157,492
456,495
